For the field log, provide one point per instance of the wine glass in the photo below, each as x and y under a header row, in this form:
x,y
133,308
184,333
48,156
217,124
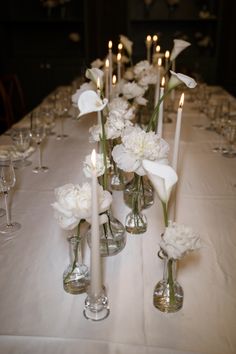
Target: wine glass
x,y
38,134
21,138
7,181
230,133
61,108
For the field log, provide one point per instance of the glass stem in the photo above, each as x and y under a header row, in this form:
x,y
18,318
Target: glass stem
x,y
62,126
7,208
40,155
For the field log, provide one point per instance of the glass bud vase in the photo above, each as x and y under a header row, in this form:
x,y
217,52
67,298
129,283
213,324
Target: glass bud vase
x,y
76,275
117,179
146,191
112,236
136,221
168,294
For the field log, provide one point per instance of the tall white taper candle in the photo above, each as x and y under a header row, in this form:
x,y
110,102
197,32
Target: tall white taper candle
x,y
177,133
160,116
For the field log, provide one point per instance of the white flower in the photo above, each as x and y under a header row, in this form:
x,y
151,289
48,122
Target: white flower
x,y
132,90
141,100
73,204
179,46
118,103
126,43
84,87
179,240
163,178
94,74
136,146
100,167
96,132
89,101
129,75
178,79
141,67
115,124
98,63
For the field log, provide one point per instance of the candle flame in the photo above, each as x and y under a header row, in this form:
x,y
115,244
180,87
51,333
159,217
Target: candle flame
x,y
113,79
149,38
110,44
181,101
163,81
120,46
158,48
98,83
107,63
118,57
93,158
155,38
167,54
159,62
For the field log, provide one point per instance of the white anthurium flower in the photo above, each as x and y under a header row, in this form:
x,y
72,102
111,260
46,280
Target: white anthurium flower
x,y
163,178
98,63
89,101
84,87
177,79
179,240
94,74
100,167
127,43
179,46
136,146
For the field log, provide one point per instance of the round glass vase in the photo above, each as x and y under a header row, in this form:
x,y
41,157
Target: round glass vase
x,y
145,188
136,221
76,275
168,294
112,236
117,179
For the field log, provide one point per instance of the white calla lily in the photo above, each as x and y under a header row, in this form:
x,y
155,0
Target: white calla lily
x,y
126,43
179,46
94,74
163,178
177,79
89,101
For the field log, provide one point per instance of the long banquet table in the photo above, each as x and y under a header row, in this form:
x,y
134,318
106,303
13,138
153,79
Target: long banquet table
x,y
38,316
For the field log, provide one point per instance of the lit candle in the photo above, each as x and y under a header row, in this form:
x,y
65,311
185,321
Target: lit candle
x,y
154,44
110,65
119,67
157,91
99,94
167,56
113,85
95,259
177,133
148,45
120,47
107,78
160,116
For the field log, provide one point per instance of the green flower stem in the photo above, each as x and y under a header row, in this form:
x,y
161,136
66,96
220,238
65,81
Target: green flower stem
x,y
170,281
154,117
75,251
165,213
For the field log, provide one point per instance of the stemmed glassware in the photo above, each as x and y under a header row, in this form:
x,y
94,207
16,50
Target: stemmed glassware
x,y
38,134
7,181
22,138
230,133
61,108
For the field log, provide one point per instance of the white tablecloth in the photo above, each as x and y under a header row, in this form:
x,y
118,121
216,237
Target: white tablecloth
x,y
38,316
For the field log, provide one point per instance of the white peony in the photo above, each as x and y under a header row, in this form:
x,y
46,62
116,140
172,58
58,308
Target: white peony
x,y
179,240
132,90
100,167
73,204
119,104
129,74
141,100
136,146
115,124
141,67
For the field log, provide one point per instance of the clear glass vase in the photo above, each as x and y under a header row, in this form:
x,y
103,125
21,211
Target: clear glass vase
x,y
76,275
146,191
112,236
168,294
117,179
136,221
